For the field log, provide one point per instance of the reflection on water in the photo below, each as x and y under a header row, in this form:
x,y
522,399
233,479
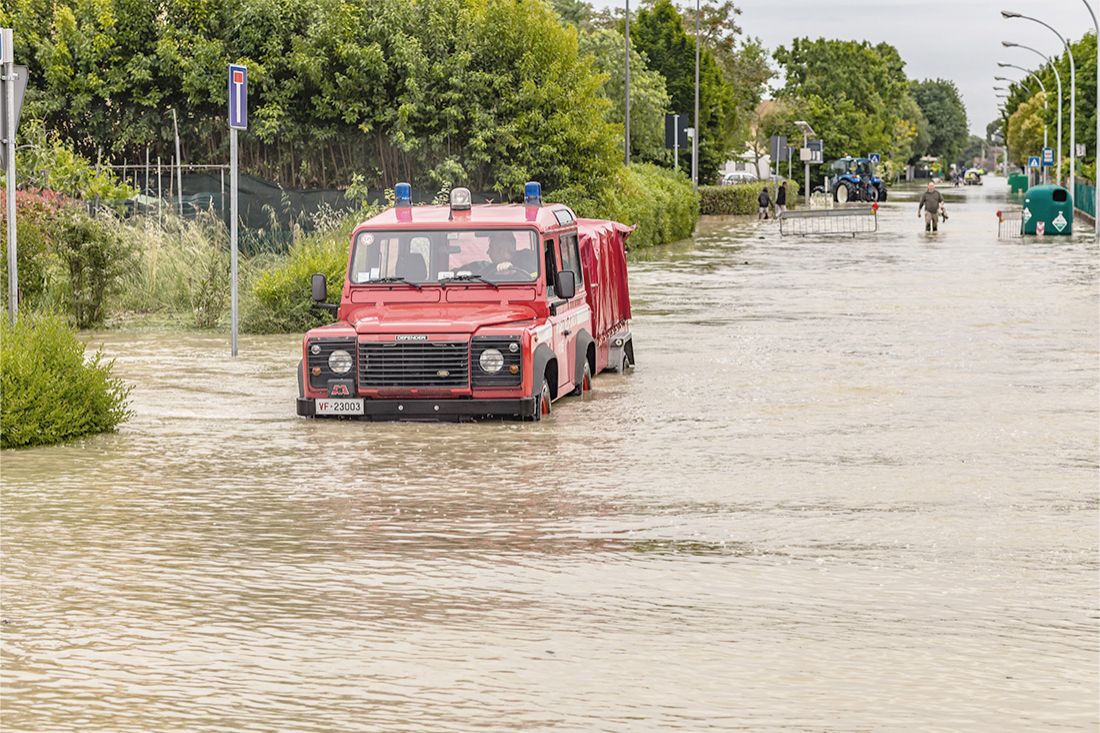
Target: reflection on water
x,y
851,486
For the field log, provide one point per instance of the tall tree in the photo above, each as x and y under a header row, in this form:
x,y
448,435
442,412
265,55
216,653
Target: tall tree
x,y
659,33
941,104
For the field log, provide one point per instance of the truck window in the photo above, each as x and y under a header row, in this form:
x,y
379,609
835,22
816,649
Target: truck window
x,y
551,267
570,257
500,255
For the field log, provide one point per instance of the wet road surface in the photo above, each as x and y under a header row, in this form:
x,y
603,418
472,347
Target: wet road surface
x,y
851,486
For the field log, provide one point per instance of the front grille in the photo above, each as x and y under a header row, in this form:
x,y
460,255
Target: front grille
x,y
503,378
438,364
321,360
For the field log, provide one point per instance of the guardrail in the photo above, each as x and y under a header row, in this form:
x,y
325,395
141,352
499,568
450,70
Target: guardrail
x,y
1010,223
847,220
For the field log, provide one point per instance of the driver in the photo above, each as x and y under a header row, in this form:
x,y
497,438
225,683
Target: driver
x,y
504,258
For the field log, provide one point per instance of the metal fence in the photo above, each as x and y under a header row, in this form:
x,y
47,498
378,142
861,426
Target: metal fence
x,y
1010,223
844,220
1084,198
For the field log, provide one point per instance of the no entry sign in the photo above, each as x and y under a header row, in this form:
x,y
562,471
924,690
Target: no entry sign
x,y
238,97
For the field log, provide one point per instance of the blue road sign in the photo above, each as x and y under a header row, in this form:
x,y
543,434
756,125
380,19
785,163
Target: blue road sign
x,y
1048,157
1033,161
876,158
238,97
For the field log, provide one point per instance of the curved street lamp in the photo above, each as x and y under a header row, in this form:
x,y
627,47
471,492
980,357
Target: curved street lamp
x,y
1057,78
1072,91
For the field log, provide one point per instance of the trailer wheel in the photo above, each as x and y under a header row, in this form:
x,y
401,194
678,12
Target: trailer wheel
x,y
871,194
625,365
543,404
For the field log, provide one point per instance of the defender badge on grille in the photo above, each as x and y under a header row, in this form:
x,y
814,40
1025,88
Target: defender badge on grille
x,y
411,337
443,373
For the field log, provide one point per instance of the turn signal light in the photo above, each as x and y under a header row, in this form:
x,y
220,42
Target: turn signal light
x,y
315,371
514,369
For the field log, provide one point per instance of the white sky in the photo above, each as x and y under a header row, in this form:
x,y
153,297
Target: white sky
x,y
950,39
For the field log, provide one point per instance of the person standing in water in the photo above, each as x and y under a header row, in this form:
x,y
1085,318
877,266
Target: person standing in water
x,y
765,201
930,201
781,200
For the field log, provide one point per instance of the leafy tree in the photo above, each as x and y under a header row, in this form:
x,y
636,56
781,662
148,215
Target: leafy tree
x,y
659,33
941,104
854,94
1025,130
649,100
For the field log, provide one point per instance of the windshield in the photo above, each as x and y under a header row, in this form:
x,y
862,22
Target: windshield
x,y
496,255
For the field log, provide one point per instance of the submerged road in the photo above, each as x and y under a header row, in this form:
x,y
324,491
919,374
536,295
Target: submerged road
x,y
851,486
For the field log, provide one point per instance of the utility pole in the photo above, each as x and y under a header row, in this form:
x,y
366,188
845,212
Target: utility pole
x,y
238,120
626,145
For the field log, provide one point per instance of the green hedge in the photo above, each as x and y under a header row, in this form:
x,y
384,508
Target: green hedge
x,y
49,392
659,201
279,297
740,198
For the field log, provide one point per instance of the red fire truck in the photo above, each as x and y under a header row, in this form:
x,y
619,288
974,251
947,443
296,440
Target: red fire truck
x,y
466,311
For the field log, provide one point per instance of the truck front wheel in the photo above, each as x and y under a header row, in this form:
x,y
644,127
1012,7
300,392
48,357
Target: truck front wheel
x,y
543,404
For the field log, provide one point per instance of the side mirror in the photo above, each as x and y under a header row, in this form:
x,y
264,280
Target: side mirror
x,y
565,284
320,288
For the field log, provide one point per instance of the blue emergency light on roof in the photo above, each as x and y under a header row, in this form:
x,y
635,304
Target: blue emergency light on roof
x,y
402,195
532,193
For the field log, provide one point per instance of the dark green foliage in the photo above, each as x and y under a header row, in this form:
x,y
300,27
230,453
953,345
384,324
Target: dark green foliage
x,y
660,202
740,198
942,106
659,34
97,259
49,393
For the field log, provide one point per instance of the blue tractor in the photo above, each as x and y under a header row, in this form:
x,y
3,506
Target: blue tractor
x,y
854,179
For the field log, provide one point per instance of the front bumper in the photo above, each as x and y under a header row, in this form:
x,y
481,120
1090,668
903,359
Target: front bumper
x,y
426,409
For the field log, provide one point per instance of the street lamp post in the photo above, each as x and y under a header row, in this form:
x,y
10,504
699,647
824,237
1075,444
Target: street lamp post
x,y
1096,142
1058,79
695,137
1072,94
626,144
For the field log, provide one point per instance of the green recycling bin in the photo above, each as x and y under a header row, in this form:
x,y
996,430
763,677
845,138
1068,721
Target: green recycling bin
x,y
1048,210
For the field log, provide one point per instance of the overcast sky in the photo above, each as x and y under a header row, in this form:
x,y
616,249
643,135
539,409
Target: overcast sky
x,y
950,39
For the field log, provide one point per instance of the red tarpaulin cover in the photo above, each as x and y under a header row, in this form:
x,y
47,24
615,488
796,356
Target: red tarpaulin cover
x,y
603,257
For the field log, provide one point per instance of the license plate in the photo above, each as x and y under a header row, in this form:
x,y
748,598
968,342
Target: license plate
x,y
339,406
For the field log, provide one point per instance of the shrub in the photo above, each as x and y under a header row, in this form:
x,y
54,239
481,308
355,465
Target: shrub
x,y
659,201
49,393
740,198
278,300
97,258
41,276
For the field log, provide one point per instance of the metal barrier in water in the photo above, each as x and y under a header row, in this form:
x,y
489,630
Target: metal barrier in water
x,y
1010,223
851,220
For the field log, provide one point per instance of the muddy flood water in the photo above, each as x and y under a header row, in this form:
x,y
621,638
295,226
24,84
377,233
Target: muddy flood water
x,y
851,486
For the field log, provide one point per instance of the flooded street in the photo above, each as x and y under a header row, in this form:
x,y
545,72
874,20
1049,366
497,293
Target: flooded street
x,y
851,486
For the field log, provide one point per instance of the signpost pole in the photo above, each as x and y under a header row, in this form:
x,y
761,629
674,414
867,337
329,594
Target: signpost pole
x,y
238,120
233,240
626,36
675,142
7,56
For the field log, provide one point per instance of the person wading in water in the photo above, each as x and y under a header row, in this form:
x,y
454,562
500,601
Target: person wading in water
x,y
931,201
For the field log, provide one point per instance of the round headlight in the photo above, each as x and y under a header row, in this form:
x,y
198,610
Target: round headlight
x,y
339,361
491,361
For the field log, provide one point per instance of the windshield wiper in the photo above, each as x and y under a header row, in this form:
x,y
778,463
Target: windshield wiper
x,y
468,278
394,279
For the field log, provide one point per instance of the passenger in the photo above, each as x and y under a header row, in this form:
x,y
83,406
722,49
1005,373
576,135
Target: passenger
x,y
781,200
931,201
765,201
